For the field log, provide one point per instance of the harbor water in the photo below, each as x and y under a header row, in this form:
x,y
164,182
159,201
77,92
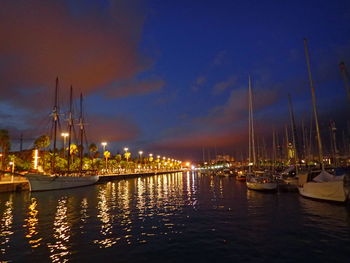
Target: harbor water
x,y
178,217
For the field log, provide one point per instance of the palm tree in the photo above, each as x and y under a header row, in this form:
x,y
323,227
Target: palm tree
x,y
107,154
42,142
93,149
73,151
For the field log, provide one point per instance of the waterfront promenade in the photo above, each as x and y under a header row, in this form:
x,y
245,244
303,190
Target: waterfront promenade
x,y
17,183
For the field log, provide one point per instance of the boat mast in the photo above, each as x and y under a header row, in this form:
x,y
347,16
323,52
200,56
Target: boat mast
x,y
251,120
81,126
320,150
70,125
55,117
273,150
250,130
286,142
294,131
345,75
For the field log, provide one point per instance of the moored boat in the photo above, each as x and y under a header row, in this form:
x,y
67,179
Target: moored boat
x,y
261,183
324,186
241,176
45,182
69,179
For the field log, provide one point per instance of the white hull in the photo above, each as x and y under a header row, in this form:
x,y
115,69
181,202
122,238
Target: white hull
x,y
261,186
329,191
40,182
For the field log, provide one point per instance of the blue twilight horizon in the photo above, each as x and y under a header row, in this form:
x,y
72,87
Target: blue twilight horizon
x,y
171,77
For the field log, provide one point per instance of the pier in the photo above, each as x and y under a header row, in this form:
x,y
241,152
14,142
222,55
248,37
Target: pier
x,y
13,184
10,183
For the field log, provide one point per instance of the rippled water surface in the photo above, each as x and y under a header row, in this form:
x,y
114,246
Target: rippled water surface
x,y
171,218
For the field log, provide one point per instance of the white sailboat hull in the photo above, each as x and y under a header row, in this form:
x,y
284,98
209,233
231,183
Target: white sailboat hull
x,y
40,182
329,191
261,186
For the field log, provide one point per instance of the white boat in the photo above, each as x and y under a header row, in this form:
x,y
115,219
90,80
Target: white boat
x,y
261,183
324,186
44,182
288,180
70,179
258,180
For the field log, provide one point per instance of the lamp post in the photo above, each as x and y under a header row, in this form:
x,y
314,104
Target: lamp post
x,y
126,156
140,154
150,160
64,135
13,169
104,144
158,162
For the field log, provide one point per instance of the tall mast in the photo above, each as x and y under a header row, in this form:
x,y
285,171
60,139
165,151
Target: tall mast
x,y
70,125
312,88
345,75
294,130
250,130
335,151
273,150
55,117
287,142
81,126
251,121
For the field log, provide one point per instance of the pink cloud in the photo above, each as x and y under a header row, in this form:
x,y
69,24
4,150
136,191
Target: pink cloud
x,y
42,40
111,129
135,87
236,108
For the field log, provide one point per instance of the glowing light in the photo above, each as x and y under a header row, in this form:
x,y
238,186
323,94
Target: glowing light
x,y
35,158
104,144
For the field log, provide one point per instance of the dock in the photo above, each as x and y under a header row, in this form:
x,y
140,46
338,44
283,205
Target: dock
x,y
13,184
123,176
20,183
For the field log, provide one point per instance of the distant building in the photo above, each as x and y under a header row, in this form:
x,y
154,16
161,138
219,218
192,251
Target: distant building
x,y
224,158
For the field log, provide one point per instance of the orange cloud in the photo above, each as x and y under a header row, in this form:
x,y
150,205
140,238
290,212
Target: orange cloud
x,y
91,49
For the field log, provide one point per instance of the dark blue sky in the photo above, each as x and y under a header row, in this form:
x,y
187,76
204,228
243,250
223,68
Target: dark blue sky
x,y
170,77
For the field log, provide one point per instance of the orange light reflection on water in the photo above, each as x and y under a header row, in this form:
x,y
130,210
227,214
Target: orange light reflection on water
x,y
6,222
62,233
32,224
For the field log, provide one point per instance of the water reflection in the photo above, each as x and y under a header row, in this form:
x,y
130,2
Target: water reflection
x,y
106,197
83,214
327,216
32,224
6,226
59,250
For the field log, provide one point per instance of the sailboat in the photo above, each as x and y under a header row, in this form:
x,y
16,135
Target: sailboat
x,y
69,179
324,186
259,180
288,178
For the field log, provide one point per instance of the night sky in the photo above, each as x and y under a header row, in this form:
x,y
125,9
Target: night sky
x,y
171,77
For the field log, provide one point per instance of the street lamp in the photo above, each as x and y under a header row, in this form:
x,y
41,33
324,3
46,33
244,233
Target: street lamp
x,y
140,154
104,144
126,155
13,169
64,135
